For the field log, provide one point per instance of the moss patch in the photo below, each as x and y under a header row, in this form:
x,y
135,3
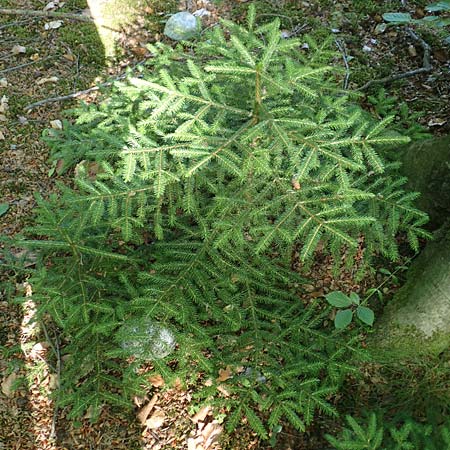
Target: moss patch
x,y
84,40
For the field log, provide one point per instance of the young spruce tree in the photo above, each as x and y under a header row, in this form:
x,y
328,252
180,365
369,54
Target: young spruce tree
x,y
215,161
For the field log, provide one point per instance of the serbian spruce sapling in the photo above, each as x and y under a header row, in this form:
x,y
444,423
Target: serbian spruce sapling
x,y
215,163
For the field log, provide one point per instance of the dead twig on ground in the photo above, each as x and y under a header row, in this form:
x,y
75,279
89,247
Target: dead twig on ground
x,y
14,24
426,66
70,96
73,95
47,14
21,66
343,50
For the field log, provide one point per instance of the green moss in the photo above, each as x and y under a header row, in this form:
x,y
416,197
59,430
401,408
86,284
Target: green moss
x,y
84,40
73,5
17,104
19,31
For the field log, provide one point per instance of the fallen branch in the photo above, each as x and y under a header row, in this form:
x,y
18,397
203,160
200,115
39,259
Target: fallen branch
x,y
66,97
48,14
14,24
21,66
426,66
79,93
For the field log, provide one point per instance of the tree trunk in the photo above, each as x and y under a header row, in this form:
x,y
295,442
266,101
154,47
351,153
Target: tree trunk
x,y
111,17
417,319
427,166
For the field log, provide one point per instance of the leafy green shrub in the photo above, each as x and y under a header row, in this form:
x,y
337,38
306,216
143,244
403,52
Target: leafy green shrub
x,y
443,6
401,434
213,165
345,305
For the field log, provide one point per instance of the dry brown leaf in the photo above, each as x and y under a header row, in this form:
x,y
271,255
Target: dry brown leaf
x,y
200,416
69,56
156,421
53,25
2,136
211,434
59,166
221,388
156,380
146,410
4,104
3,82
38,350
295,184
177,384
56,124
49,6
139,401
8,383
89,413
437,122
53,382
28,289
224,374
18,49
195,444
47,80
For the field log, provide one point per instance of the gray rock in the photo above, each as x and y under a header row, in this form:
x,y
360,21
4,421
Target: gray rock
x,y
181,26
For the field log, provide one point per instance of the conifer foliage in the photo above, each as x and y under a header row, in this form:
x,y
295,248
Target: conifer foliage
x,y
401,433
215,160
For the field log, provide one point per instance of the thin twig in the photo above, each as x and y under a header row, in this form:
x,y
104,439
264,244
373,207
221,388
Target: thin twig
x,y
426,49
47,337
343,50
45,14
426,66
21,66
79,93
13,24
67,97
46,362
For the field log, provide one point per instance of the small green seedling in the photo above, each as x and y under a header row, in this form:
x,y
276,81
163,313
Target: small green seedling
x,y
346,305
3,208
439,21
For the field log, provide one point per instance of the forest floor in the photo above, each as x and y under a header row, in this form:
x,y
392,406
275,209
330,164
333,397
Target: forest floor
x,y
41,59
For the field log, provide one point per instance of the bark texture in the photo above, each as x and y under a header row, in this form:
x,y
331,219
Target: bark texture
x,y
427,165
111,17
417,320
